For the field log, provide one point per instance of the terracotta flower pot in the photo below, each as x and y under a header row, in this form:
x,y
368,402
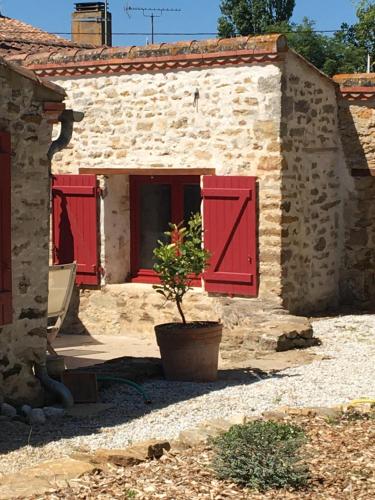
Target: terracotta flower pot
x,y
189,352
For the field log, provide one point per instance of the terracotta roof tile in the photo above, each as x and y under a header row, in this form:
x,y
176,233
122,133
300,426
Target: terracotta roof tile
x,y
356,86
266,44
17,37
355,80
30,75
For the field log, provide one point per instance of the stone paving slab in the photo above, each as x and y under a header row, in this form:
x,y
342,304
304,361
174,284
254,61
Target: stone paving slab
x,y
43,477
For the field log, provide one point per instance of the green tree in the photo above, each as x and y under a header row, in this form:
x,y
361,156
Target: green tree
x,y
365,28
340,53
249,17
343,52
306,41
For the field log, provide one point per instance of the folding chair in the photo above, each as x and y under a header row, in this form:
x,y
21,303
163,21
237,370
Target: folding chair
x,y
61,280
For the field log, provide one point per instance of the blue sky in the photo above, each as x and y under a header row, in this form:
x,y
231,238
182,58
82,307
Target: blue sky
x,y
196,15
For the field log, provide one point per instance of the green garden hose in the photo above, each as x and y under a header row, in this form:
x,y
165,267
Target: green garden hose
x,y
138,388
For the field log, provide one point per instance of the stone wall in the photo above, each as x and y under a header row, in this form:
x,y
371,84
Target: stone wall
x,y
24,342
313,189
149,120
357,123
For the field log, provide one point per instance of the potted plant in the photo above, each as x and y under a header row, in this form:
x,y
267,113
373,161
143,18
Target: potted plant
x,y
189,350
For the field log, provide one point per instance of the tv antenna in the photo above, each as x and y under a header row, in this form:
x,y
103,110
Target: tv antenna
x,y
152,13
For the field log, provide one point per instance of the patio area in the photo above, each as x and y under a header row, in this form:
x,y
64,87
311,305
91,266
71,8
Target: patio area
x,y
81,351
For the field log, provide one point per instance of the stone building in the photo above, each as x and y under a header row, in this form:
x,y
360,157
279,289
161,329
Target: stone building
x,y
357,127
242,107
27,108
246,108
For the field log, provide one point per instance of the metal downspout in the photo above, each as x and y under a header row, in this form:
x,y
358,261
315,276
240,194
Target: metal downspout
x,y
67,119
54,386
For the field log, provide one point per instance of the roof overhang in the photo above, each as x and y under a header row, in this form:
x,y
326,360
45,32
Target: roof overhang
x,y
52,88
358,93
116,66
356,86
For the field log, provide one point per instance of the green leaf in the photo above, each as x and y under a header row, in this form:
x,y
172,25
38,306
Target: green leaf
x,y
181,256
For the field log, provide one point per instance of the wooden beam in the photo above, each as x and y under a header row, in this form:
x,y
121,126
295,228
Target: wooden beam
x,y
146,171
363,172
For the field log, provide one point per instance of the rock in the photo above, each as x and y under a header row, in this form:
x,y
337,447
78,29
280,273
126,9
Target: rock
x,y
26,410
239,419
53,412
358,406
37,417
8,410
299,342
193,437
216,426
284,412
87,410
41,478
328,412
274,415
285,333
210,428
152,449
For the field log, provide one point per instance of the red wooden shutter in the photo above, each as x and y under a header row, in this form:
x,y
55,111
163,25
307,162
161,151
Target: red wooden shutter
x,y
229,220
75,225
6,311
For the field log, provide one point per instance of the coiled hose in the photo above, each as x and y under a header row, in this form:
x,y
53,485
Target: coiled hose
x,y
138,388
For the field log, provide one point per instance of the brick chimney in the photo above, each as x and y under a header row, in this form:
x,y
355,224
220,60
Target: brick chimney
x,y
89,24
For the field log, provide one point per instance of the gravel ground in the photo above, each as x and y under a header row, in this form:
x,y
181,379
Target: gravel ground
x,y
346,372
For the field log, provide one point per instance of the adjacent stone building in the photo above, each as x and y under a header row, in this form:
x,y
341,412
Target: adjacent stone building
x,y
357,127
28,107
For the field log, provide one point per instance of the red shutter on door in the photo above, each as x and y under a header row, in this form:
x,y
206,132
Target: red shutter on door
x,y
229,220
6,310
75,225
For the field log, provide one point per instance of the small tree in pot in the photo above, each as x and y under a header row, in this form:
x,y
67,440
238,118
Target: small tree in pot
x,y
189,350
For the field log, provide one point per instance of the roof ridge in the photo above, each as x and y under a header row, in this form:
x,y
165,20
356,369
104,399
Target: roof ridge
x,y
255,45
353,79
42,42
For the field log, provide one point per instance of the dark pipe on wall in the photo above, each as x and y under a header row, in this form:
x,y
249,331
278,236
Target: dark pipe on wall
x,y
67,119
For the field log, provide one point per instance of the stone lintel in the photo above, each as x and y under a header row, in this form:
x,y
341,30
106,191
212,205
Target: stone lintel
x,y
147,171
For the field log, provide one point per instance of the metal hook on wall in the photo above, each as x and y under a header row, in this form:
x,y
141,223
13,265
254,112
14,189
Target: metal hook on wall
x,y
196,99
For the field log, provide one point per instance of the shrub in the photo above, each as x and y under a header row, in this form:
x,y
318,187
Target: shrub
x,y
261,455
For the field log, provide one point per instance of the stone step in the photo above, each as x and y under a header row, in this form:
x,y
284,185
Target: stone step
x,y
257,324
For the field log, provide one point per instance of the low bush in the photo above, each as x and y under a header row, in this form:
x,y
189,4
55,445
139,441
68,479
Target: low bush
x,y
261,455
